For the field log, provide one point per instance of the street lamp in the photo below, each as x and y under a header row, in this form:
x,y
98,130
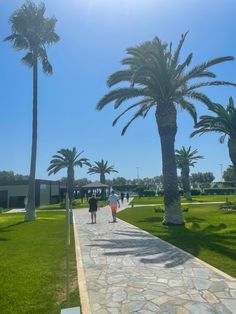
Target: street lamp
x,y
137,173
221,171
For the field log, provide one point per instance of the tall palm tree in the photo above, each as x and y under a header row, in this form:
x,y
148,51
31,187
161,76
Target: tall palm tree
x,y
102,168
224,122
159,80
32,31
185,158
69,159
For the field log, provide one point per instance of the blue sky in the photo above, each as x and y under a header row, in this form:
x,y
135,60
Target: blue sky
x,y
94,35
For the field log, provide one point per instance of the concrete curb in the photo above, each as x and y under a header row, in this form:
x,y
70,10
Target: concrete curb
x,y
83,291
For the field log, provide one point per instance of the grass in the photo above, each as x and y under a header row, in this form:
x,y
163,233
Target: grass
x,y
200,198
208,234
76,204
32,259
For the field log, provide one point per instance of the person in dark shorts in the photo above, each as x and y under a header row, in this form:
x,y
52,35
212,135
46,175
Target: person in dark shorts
x,y
127,197
93,207
122,196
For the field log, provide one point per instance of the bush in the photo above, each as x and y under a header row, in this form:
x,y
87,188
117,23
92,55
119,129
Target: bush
x,y
158,210
222,191
63,205
228,206
195,192
149,193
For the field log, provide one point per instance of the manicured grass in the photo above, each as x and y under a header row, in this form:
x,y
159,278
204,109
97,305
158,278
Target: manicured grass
x,y
200,198
76,204
32,259
209,234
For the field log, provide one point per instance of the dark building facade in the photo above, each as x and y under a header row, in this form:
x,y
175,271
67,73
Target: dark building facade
x,y
13,195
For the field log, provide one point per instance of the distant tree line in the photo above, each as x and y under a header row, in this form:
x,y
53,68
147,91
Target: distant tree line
x,y
10,177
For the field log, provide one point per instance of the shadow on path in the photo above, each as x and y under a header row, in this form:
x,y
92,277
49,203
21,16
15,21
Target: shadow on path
x,y
149,249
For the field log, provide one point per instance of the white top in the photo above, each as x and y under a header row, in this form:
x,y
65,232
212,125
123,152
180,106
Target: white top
x,y
113,199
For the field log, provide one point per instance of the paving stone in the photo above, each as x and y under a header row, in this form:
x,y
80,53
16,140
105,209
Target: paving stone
x,y
201,284
181,310
218,286
209,297
201,273
132,307
230,304
162,299
199,308
221,309
233,293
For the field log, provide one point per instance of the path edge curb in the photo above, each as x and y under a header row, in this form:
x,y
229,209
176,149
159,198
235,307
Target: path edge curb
x,y
83,291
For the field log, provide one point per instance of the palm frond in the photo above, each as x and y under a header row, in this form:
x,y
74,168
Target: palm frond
x,y
126,93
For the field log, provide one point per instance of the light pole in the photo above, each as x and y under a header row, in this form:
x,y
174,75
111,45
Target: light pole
x,y
221,171
137,173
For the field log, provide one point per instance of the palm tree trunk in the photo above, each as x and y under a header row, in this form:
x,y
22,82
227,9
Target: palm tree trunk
x,y
30,206
167,127
102,178
70,190
70,183
186,182
232,154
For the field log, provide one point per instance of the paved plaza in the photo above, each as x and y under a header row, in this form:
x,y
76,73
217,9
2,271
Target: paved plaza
x,y
123,269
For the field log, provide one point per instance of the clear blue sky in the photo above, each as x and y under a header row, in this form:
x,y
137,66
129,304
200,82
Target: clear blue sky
x,y
94,35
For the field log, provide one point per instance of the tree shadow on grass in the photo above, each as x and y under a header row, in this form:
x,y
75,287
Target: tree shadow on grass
x,y
7,228
194,238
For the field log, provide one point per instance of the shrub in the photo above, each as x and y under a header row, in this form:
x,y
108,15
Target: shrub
x,y
63,205
195,192
158,210
228,206
222,191
149,193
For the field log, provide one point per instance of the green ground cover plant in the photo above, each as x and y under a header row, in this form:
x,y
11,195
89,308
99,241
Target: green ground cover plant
x,y
32,259
198,198
208,233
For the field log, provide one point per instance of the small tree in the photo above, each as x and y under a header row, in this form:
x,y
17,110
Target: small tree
x,y
228,174
102,168
69,159
185,158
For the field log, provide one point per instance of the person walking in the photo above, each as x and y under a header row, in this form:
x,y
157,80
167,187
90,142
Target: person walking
x,y
93,207
114,203
127,197
122,196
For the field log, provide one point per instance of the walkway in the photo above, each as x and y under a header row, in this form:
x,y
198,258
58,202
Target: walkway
x,y
126,270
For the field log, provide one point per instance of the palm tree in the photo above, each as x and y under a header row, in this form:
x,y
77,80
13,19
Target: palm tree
x,y
223,122
33,32
102,168
185,158
159,80
69,159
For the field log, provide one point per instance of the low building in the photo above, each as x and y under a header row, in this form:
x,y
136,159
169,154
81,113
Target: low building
x,y
13,195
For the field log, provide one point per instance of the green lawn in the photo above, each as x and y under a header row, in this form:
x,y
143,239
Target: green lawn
x,y
208,233
32,259
76,204
200,198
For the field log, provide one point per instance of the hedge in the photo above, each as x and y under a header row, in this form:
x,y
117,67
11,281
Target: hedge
x,y
222,191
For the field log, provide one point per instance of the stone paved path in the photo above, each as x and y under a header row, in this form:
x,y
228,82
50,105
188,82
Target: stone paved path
x,y
127,270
